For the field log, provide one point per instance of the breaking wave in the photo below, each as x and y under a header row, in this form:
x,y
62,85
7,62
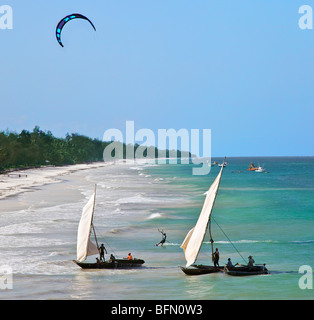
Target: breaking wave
x,y
154,216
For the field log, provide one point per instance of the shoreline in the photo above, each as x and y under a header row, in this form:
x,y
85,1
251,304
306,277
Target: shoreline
x,y
39,231
18,181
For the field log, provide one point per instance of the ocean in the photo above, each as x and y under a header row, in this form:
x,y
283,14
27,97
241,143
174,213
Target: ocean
x,y
267,215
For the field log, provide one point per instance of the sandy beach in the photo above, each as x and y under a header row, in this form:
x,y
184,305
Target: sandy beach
x,y
16,182
39,220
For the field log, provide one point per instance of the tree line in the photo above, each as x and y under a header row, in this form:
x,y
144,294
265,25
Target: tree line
x,y
38,148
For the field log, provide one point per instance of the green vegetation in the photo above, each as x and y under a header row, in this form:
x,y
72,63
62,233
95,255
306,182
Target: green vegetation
x,y
38,148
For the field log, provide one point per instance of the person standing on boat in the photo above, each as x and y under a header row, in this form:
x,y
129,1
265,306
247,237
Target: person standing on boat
x,y
251,261
102,250
216,258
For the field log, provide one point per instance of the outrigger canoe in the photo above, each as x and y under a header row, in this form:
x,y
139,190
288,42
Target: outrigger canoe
x,y
246,270
114,264
85,247
201,269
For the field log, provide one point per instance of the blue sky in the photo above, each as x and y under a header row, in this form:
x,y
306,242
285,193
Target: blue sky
x,y
243,69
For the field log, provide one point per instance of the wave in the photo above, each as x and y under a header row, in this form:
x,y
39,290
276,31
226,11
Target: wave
x,y
53,254
117,210
137,168
26,242
262,241
106,186
227,242
154,216
138,198
303,241
121,230
244,241
248,241
21,228
266,189
151,165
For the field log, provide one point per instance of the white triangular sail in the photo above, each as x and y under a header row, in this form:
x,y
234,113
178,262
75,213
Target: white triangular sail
x,y
194,239
85,247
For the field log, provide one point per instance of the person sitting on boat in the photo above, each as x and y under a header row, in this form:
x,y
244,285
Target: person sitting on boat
x,y
130,256
112,258
216,258
97,261
229,263
102,252
251,261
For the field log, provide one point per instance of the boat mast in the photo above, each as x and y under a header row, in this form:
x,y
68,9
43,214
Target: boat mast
x,y
211,238
209,222
93,218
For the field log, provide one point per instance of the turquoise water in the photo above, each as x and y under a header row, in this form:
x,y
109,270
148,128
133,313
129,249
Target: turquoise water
x,y
267,215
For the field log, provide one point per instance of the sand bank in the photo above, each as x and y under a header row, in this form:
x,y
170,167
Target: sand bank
x,y
16,182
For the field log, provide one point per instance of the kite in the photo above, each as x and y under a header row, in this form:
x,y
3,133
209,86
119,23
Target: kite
x,y
67,19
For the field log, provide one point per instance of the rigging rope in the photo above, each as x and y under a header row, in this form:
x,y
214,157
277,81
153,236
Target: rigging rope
x,y
107,244
229,240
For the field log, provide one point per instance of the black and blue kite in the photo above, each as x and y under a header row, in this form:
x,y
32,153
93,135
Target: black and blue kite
x,y
65,20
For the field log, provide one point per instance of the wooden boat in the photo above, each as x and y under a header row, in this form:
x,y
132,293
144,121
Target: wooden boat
x,y
195,237
85,247
197,270
246,270
113,264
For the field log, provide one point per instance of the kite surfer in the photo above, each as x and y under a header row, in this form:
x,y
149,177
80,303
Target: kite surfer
x,y
163,240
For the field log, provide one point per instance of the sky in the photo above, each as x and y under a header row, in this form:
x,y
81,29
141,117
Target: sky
x,y
243,69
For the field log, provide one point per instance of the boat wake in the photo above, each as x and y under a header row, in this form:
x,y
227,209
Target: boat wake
x,y
171,244
274,272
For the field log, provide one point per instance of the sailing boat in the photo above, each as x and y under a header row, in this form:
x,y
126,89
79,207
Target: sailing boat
x,y
85,247
195,237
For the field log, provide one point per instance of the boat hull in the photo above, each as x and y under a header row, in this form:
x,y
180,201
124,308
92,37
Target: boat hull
x,y
246,271
116,264
201,269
